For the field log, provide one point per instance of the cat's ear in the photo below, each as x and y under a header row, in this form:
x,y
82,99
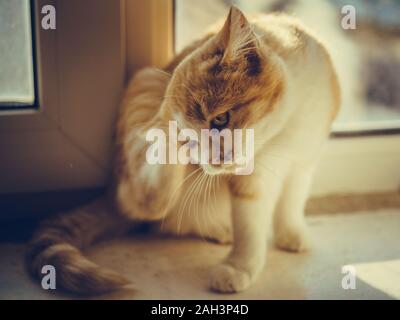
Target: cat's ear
x,y
237,37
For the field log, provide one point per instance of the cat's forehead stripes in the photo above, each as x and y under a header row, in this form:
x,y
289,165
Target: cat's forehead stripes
x,y
195,112
251,65
250,98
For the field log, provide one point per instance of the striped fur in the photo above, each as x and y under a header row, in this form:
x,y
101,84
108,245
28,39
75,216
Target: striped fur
x,y
59,241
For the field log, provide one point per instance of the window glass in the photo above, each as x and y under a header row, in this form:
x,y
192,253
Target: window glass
x,y
16,59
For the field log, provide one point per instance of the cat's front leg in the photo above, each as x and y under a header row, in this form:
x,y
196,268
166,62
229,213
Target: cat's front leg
x,y
290,229
253,202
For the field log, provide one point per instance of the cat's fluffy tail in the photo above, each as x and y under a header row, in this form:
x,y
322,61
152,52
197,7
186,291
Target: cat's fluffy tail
x,y
59,241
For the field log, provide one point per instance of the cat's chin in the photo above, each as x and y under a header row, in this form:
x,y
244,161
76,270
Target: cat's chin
x,y
220,170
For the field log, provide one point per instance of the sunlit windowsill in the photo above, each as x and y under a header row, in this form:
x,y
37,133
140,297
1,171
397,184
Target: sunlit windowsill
x,y
381,275
366,127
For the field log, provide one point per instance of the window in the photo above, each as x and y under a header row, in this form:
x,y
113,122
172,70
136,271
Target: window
x,y
367,58
16,60
60,138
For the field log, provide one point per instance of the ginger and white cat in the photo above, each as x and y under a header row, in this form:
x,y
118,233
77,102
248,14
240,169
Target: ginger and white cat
x,y
269,74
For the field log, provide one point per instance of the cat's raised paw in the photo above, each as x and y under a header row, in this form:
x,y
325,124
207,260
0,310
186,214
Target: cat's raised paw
x,y
293,240
221,236
227,279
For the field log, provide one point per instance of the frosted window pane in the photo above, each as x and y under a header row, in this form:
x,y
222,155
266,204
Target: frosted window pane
x,y
16,66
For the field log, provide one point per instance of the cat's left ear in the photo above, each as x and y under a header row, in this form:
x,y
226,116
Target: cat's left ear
x,y
237,37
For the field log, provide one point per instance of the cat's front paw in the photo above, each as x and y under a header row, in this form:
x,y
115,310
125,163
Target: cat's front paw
x,y
221,235
227,279
293,239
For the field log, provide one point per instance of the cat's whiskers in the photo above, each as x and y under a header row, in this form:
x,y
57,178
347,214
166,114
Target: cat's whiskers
x,y
168,207
211,212
244,51
213,194
193,197
244,48
205,207
199,215
182,207
195,200
182,204
163,72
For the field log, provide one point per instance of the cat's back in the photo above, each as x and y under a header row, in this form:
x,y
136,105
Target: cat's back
x,y
286,36
305,56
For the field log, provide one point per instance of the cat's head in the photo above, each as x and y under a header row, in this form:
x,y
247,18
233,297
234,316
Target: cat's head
x,y
230,82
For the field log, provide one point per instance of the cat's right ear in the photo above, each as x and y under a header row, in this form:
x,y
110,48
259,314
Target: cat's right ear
x,y
236,36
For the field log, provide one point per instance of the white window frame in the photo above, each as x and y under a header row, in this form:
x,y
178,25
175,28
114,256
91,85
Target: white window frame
x,y
65,142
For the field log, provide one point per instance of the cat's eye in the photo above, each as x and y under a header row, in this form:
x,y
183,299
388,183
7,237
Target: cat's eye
x,y
220,121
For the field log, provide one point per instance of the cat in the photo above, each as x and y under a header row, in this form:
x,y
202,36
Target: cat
x,y
268,73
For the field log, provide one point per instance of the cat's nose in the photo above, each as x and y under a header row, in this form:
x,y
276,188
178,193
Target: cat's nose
x,y
192,144
228,157
223,158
